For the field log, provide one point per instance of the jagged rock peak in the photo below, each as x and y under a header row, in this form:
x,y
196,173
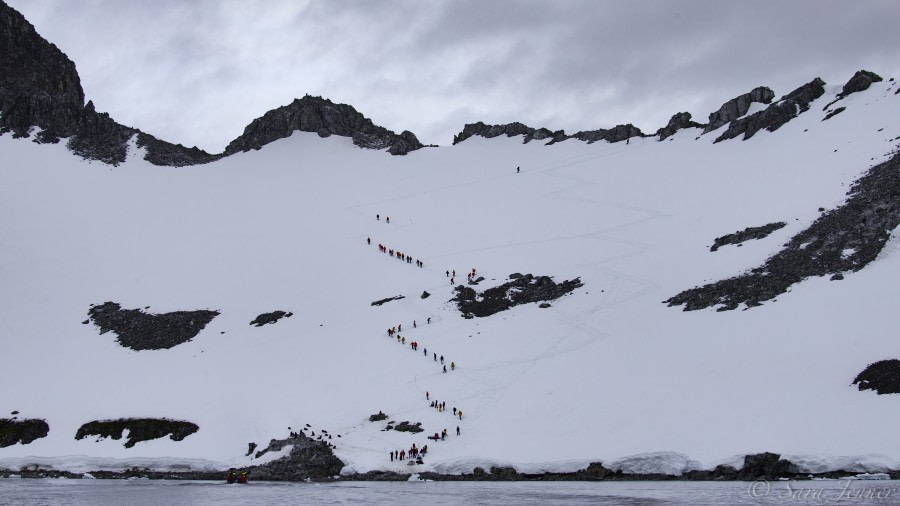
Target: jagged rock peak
x,y
320,115
860,81
677,122
738,106
777,114
617,133
510,130
39,85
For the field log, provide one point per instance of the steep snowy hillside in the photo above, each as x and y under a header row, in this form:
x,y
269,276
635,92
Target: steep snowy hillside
x,y
608,372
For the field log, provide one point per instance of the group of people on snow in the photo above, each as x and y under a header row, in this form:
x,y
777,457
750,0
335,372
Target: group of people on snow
x,y
403,257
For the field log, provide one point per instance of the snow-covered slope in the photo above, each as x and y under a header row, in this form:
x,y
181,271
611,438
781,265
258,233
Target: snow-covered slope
x,y
607,373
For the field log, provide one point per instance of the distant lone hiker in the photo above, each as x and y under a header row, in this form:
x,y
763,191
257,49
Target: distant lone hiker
x,y
517,170
387,219
369,240
378,217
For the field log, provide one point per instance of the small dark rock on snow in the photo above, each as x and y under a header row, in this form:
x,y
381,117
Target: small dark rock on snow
x,y
272,317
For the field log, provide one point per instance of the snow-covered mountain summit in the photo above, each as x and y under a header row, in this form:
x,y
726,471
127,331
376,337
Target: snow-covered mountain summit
x,y
200,312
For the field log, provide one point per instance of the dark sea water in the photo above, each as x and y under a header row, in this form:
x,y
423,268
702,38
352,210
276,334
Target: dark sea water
x,y
16,491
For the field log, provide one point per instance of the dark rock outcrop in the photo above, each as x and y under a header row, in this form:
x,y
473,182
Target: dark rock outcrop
x,y
882,376
139,429
860,81
776,115
519,290
747,234
737,107
510,130
21,431
320,115
768,466
40,87
405,426
382,301
272,317
377,417
308,460
138,330
617,133
677,122
842,240
834,113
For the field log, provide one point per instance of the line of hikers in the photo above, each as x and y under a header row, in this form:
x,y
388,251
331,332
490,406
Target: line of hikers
x,y
395,331
403,257
442,406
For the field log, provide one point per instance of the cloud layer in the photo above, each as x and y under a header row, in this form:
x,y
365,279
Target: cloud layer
x,y
197,72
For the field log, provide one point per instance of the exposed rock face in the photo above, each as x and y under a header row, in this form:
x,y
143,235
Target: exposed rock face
x,y
882,376
377,417
406,426
677,122
509,130
766,466
747,234
617,133
143,331
844,239
139,429
737,107
316,114
777,114
272,317
519,290
14,431
860,81
308,459
388,299
834,113
39,86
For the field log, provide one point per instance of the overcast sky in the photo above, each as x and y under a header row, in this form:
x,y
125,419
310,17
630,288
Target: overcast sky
x,y
197,71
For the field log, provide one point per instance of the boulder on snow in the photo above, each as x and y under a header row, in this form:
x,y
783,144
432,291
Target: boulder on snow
x,y
267,318
747,234
519,290
377,417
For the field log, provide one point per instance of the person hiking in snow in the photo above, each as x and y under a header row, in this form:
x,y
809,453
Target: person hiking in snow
x,y
403,340
243,479
451,281
452,366
454,410
387,219
435,357
231,477
517,169
448,274
378,217
460,414
400,328
369,240
444,435
457,430
445,369
402,454
425,352
427,395
414,324
442,359
392,456
428,321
